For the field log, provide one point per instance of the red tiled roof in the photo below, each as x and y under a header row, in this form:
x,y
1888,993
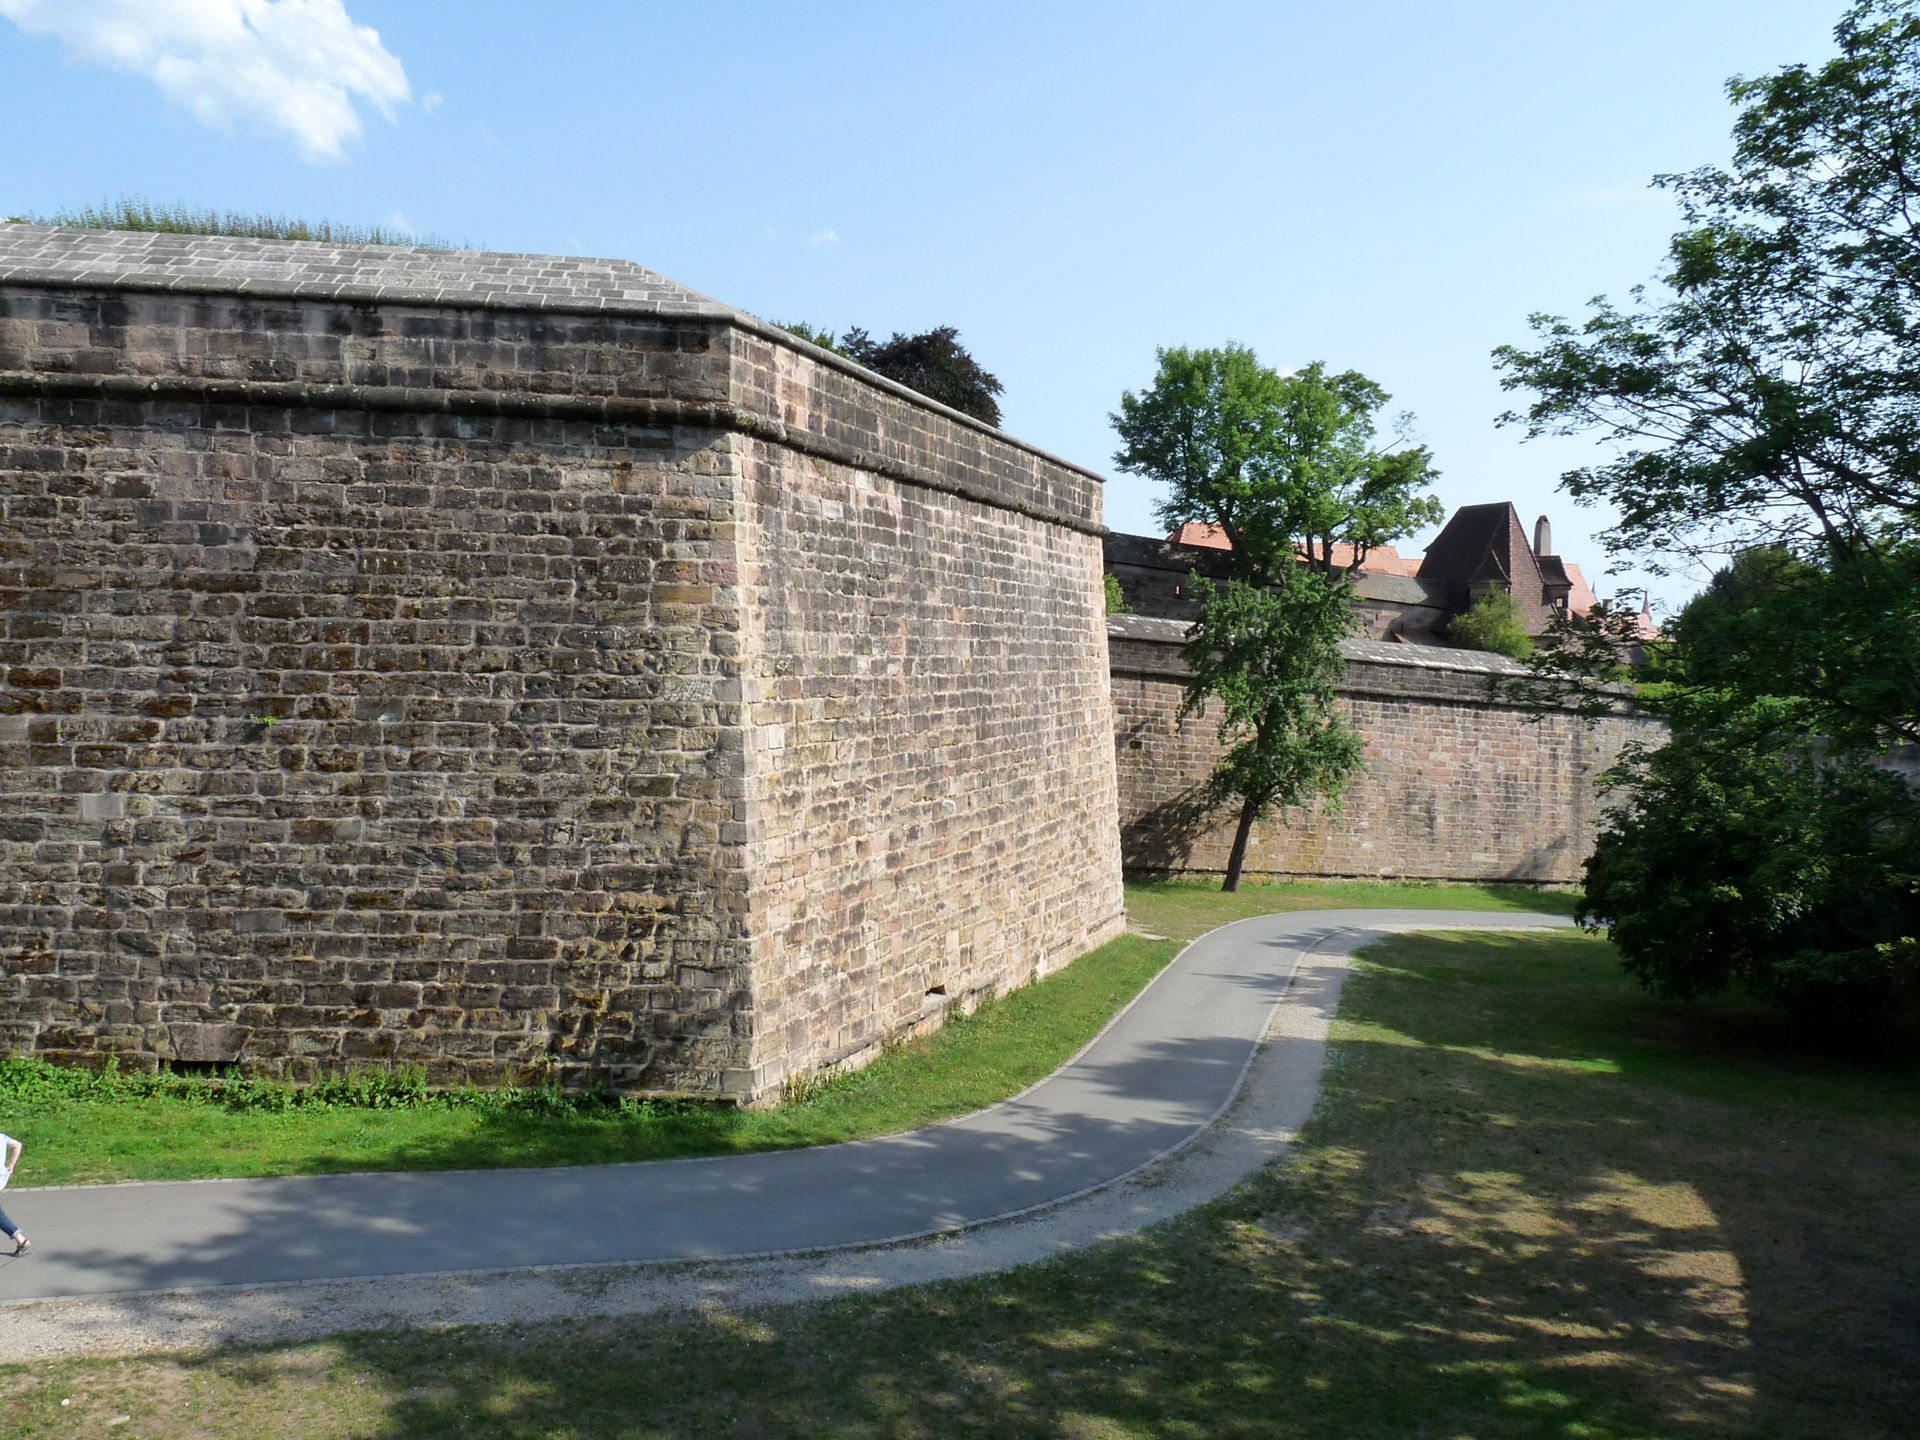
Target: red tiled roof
x,y
1581,598
1382,559
1196,532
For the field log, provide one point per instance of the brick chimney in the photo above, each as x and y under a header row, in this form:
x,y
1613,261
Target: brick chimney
x,y
1542,537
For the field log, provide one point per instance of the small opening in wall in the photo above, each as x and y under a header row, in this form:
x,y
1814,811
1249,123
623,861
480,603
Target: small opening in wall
x,y
936,990
212,1068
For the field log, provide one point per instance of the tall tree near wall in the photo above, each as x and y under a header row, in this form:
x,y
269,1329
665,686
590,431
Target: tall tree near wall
x,y
1290,468
1766,404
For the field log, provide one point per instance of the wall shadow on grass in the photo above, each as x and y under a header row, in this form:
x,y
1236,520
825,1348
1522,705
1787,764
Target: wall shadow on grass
x,y
1530,1206
1353,1296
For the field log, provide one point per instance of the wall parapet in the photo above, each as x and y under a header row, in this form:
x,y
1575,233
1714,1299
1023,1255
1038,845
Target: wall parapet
x,y
565,287
1151,645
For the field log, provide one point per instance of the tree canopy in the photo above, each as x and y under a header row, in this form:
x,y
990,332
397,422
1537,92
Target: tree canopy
x,y
1768,391
1283,464
933,362
1493,624
1751,847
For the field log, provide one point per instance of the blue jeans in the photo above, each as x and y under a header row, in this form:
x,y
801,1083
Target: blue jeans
x,y
8,1225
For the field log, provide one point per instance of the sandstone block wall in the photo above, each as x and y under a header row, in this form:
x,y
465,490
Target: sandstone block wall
x,y
930,721
1459,783
516,666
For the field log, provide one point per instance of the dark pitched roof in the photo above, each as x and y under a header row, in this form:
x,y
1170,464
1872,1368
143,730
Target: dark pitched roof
x,y
1487,545
1459,551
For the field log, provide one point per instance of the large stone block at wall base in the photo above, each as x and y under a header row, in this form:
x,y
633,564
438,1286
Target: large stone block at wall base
x,y
516,666
1461,782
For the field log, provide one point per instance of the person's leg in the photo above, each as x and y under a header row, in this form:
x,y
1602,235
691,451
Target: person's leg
x,y
14,1233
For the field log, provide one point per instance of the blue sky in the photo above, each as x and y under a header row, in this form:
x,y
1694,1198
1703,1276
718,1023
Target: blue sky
x,y
1391,187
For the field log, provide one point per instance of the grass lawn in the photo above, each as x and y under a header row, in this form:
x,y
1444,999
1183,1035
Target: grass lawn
x,y
1533,1202
1006,1045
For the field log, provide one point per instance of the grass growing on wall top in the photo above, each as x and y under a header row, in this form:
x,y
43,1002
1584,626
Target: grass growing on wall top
x,y
130,213
85,1128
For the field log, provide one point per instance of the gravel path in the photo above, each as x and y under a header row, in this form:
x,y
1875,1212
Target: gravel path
x,y
1173,1103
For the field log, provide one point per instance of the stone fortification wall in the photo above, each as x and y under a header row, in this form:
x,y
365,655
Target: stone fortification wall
x,y
1459,783
414,656
930,751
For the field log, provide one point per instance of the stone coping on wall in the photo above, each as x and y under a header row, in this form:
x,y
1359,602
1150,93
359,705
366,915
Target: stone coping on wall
x,y
1147,646
235,265
1154,630
48,255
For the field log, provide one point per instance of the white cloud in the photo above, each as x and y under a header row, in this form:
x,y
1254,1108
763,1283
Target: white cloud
x,y
289,66
432,101
485,136
401,221
824,237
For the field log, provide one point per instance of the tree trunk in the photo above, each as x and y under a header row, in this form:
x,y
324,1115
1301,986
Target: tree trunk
x,y
1238,858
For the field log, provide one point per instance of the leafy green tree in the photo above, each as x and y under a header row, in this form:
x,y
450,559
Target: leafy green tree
x,y
935,363
1838,639
1285,465
811,334
1494,624
1270,654
1765,403
1116,597
1290,469
1767,396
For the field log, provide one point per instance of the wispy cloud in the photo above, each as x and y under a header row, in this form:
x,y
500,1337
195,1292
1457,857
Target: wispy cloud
x,y
824,237
295,67
432,101
485,136
401,221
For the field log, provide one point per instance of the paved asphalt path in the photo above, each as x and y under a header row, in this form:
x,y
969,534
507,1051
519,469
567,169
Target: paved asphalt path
x,y
1153,1079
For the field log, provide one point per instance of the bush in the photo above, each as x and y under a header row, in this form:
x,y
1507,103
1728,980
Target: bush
x,y
1734,861
1493,624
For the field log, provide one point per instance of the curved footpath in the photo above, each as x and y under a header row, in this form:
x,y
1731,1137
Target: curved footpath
x,y
144,1265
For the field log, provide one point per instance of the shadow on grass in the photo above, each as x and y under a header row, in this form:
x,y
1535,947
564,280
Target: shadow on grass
x,y
1533,1203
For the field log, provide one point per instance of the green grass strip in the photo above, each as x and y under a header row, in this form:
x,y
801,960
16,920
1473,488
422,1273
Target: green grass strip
x,y
87,1127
